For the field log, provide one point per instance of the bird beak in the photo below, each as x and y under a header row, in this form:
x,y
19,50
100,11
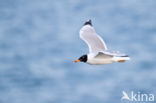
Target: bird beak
x,y
77,61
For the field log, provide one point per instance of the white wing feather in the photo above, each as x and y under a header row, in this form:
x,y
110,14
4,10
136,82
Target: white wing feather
x,y
94,41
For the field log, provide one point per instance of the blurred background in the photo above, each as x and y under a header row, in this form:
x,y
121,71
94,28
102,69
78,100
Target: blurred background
x,y
39,40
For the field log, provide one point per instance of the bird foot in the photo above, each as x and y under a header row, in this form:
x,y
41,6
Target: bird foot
x,y
121,60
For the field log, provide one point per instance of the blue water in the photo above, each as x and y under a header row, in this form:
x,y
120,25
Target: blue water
x,y
39,40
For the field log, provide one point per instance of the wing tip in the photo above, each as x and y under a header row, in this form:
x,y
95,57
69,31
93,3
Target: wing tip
x,y
88,22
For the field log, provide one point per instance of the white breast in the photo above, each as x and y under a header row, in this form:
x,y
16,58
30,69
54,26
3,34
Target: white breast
x,y
98,61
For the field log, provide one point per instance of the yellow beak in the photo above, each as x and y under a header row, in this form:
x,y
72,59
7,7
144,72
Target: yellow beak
x,y
77,61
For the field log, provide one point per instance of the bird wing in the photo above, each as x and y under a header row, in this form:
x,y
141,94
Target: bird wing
x,y
93,40
101,55
114,53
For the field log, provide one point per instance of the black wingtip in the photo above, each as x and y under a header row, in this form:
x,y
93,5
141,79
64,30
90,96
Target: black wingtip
x,y
88,22
125,56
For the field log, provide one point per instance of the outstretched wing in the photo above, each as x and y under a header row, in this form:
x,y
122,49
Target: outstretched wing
x,y
101,55
94,41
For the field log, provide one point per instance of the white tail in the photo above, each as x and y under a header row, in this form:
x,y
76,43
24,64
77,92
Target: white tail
x,y
120,59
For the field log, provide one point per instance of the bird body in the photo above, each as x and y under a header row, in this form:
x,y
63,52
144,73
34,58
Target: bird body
x,y
97,61
98,52
105,58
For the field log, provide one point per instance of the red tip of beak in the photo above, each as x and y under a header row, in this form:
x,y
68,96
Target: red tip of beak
x,y
77,61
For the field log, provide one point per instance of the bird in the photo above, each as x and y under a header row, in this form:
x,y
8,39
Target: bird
x,y
98,52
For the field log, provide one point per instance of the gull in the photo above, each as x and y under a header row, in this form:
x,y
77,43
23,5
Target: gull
x,y
98,52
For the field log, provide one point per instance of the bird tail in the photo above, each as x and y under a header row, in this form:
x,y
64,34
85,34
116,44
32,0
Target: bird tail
x,y
121,58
